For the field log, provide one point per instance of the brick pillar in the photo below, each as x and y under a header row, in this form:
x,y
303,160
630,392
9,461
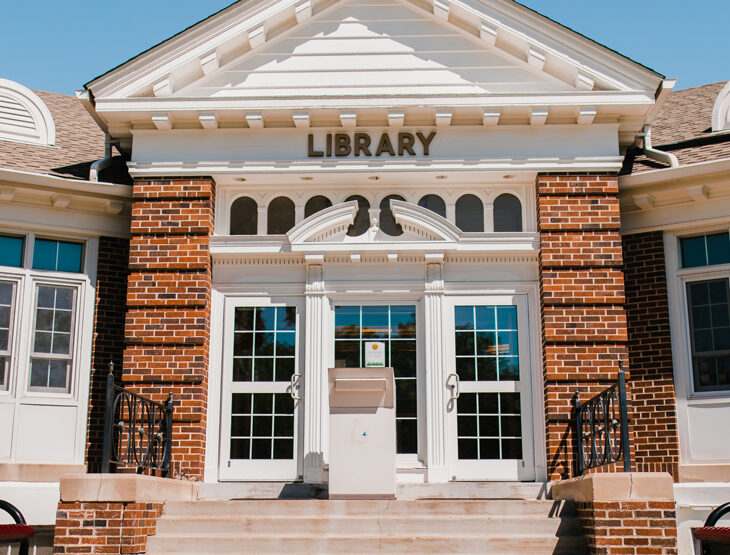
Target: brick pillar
x,y
168,300
654,406
108,345
105,527
582,294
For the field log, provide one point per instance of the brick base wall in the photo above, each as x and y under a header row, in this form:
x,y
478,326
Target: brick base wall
x,y
108,345
654,408
629,527
582,298
110,528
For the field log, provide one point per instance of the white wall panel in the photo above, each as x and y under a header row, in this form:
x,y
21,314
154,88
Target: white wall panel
x,y
46,433
709,440
6,429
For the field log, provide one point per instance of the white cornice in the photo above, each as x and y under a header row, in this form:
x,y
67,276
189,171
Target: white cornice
x,y
24,179
156,169
654,177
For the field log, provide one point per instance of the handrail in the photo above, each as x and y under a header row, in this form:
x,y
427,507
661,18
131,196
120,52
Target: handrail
x,y
717,514
13,511
19,532
137,430
602,428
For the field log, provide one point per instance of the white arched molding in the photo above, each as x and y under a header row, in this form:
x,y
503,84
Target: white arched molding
x,y
325,223
423,221
24,117
721,110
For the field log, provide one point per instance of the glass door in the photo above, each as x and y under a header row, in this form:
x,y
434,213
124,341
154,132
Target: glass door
x,y
395,326
489,409
261,392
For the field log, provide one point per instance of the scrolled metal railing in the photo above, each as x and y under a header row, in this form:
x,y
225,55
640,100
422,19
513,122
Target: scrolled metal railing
x,y
137,431
602,428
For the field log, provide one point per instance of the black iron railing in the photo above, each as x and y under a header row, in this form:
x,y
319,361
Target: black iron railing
x,y
137,431
602,428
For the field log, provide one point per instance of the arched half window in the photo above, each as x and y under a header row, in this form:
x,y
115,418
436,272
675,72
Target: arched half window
x,y
387,220
507,213
280,216
315,204
470,214
244,216
362,218
434,203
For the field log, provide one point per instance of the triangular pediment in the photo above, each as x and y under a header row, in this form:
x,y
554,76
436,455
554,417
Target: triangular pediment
x,y
325,48
371,47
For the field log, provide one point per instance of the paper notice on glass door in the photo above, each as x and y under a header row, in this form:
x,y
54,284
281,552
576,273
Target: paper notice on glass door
x,y
374,354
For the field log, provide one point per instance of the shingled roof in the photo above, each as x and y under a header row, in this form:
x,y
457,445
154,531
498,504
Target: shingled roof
x,y
79,143
684,128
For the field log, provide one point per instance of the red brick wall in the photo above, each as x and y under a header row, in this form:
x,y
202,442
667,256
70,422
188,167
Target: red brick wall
x,y
111,528
582,297
168,300
656,444
108,343
629,527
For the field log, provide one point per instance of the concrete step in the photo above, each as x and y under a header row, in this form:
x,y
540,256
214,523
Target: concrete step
x,y
454,490
321,545
315,507
388,525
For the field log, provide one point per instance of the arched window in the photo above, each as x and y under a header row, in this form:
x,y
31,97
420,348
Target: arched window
x,y
315,204
434,203
362,218
470,214
507,213
280,216
244,216
387,220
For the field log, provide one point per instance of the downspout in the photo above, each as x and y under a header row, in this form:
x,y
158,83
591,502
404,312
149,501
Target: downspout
x,y
654,154
100,165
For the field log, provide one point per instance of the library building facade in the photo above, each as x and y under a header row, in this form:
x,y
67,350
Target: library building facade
x,y
533,227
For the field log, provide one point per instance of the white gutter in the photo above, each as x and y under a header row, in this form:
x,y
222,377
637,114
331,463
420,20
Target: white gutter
x,y
65,185
99,165
654,154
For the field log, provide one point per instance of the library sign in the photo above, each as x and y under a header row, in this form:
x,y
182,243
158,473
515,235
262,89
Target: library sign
x,y
367,144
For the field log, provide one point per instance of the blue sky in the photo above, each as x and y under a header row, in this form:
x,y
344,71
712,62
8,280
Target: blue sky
x,y
58,45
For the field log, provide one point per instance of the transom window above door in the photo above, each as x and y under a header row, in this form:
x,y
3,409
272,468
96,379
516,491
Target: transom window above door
x,y
467,212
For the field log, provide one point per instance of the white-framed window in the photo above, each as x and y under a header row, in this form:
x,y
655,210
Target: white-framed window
x,y
704,272
42,285
7,304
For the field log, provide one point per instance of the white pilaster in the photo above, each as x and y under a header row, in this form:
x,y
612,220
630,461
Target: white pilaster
x,y
298,213
435,371
262,222
315,372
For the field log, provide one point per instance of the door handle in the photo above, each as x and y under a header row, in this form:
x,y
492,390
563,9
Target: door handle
x,y
295,387
455,389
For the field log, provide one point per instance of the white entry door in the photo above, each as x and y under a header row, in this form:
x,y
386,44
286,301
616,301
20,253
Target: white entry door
x,y
488,375
261,390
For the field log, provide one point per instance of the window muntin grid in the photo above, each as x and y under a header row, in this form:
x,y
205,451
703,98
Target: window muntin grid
x,y
394,325
708,304
264,350
7,296
262,426
264,344
60,256
487,343
489,426
51,356
705,250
